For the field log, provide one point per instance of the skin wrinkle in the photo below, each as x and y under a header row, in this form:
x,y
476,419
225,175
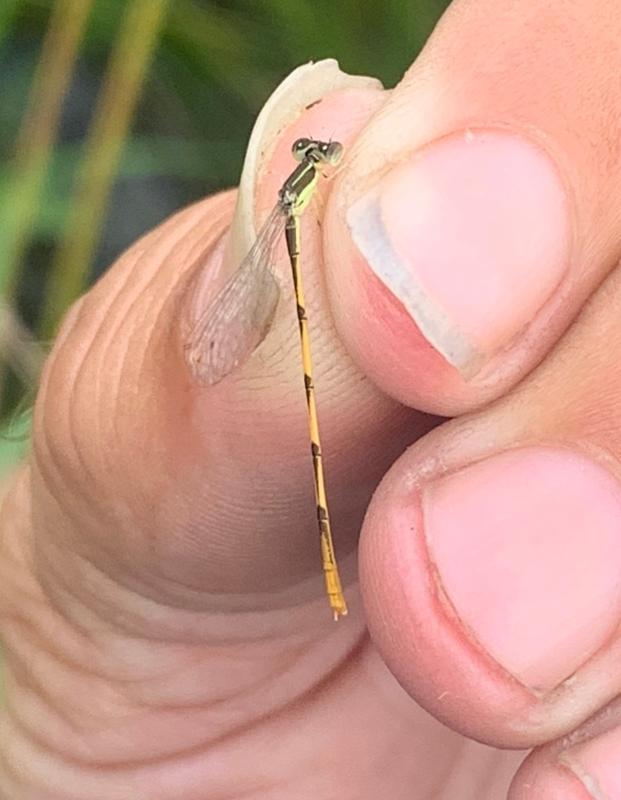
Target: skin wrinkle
x,y
31,622
85,666
103,344
131,586
21,665
53,457
81,598
156,297
214,702
42,558
20,776
20,662
106,551
282,664
82,760
47,735
306,696
9,766
38,556
176,298
19,779
219,796
146,609
345,658
33,734
96,338
197,225
142,256
56,708
40,638
49,476
48,464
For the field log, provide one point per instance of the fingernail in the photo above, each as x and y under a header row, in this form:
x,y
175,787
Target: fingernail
x,y
471,234
528,553
597,763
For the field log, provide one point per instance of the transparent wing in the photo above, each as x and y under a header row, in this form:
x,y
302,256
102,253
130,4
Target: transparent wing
x,y
238,318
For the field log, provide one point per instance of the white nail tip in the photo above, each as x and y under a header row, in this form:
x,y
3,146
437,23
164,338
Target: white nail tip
x,y
304,86
369,235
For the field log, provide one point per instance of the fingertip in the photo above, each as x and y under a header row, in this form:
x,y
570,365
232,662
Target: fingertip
x,y
472,589
418,633
544,779
507,225
316,99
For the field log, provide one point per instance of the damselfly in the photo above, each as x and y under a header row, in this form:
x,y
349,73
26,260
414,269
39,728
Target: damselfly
x,y
249,299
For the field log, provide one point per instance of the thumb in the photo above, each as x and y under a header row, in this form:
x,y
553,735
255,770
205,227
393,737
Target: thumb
x,y
192,495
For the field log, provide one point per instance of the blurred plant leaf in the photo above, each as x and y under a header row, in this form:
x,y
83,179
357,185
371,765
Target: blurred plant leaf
x,y
8,9
206,164
35,140
132,52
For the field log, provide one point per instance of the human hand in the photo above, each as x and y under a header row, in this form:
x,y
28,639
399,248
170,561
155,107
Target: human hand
x,y
166,632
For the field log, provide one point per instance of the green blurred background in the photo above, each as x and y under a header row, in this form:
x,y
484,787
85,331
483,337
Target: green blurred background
x,y
115,113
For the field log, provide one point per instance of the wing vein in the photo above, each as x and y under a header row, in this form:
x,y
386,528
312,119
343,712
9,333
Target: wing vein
x,y
238,318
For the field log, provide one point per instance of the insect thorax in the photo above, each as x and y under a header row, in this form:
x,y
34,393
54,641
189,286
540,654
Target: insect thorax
x,y
297,190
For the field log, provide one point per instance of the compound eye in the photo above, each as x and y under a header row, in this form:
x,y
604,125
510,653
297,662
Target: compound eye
x,y
333,152
299,148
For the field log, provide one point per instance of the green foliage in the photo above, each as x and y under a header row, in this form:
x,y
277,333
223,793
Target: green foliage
x,y
14,441
209,68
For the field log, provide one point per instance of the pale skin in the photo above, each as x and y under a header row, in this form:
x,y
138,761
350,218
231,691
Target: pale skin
x,y
165,630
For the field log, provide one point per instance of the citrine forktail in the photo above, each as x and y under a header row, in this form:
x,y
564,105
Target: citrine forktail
x,y
238,318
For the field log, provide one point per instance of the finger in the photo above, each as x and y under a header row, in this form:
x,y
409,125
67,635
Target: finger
x,y
583,766
491,555
191,495
480,209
